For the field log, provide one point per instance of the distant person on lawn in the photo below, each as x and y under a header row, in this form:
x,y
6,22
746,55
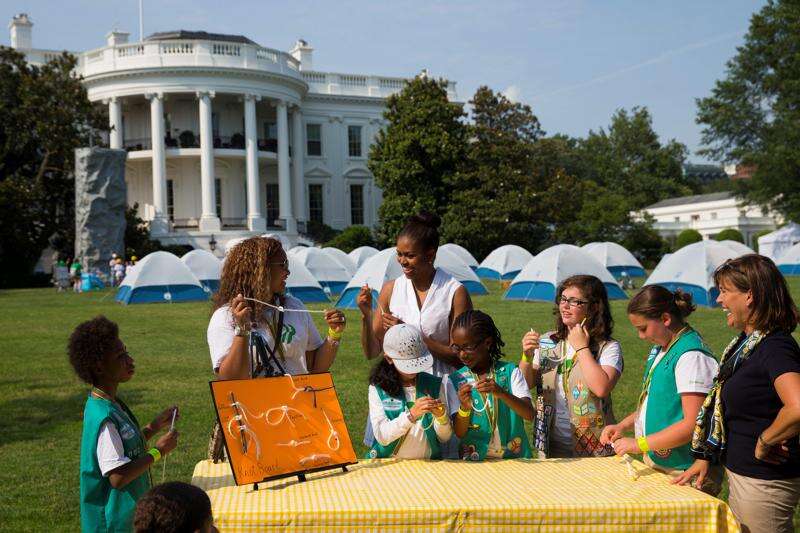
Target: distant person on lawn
x,y
115,460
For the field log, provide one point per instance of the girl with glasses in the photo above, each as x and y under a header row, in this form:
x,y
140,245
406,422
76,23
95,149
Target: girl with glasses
x,y
488,398
574,368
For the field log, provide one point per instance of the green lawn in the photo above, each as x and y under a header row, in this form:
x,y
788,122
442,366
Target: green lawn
x,y
42,401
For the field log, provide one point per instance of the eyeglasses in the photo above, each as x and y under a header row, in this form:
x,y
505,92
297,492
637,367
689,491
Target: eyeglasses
x,y
572,302
466,348
284,264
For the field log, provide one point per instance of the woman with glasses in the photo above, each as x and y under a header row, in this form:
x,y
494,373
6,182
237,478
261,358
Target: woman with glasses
x,y
574,369
750,419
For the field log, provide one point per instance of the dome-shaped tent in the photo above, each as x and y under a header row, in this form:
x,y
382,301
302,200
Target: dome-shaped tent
x,y
160,277
361,254
453,265
342,258
789,261
462,253
739,248
301,283
326,270
540,278
504,262
375,271
616,258
775,244
205,267
691,269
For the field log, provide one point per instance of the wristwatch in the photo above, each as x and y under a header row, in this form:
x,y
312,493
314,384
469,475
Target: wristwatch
x,y
240,331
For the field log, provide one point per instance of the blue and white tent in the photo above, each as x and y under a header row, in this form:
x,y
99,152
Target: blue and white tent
x,y
361,254
462,253
453,265
540,278
342,258
616,258
205,267
301,283
375,271
329,272
160,277
504,262
789,261
739,248
691,269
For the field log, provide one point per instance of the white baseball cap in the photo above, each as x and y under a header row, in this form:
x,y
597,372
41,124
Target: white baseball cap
x,y
403,344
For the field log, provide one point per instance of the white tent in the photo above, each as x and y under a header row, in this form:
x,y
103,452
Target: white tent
x,y
504,262
461,252
375,271
691,269
789,261
326,270
616,258
540,278
453,265
301,283
774,244
160,277
342,258
361,254
205,267
739,248
295,249
285,242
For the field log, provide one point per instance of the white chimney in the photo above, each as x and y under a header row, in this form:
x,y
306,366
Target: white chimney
x,y
302,52
115,37
21,32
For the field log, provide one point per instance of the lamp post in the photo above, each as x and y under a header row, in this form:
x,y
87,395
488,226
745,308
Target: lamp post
x,y
212,244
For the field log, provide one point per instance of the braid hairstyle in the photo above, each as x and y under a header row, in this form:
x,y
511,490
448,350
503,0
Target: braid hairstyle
x,y
247,271
385,375
481,325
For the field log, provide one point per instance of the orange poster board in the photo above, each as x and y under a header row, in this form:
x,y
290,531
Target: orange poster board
x,y
281,426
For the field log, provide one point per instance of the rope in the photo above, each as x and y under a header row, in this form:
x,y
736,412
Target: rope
x,y
282,309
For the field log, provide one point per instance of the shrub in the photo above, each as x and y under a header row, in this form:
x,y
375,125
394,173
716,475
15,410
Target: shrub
x,y
687,236
351,238
730,234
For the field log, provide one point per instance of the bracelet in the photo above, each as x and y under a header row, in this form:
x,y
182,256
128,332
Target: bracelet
x,y
464,414
240,331
642,442
524,358
333,334
155,454
442,420
333,342
763,442
579,349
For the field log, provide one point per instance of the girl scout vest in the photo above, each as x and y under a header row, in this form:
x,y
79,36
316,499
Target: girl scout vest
x,y
663,401
510,426
427,385
588,414
104,508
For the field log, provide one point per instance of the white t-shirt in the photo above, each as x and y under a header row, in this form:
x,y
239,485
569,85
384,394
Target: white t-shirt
x,y
519,388
694,372
611,355
415,445
299,336
110,451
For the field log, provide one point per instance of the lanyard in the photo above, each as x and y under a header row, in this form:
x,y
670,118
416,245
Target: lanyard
x,y
487,403
646,383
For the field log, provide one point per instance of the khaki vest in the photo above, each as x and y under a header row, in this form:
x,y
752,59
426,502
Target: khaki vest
x,y
588,414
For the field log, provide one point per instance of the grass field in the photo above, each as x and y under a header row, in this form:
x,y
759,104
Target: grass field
x,y
41,401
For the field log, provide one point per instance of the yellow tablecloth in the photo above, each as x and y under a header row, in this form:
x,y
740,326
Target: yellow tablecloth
x,y
568,495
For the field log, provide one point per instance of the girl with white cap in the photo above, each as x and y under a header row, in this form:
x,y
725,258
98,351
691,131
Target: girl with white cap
x,y
406,403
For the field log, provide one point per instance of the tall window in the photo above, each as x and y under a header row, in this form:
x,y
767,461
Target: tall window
x,y
215,125
270,137
170,201
218,194
354,141
357,204
313,139
273,205
315,213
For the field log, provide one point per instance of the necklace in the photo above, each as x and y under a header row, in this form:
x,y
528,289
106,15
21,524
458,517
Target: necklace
x,y
488,399
100,393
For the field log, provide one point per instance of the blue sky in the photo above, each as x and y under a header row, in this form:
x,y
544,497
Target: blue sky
x,y
574,61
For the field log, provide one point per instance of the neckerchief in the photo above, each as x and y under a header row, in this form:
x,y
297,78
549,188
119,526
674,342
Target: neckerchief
x,y
708,439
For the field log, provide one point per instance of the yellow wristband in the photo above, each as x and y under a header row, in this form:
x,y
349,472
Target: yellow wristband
x,y
442,420
463,413
154,453
333,334
642,442
524,358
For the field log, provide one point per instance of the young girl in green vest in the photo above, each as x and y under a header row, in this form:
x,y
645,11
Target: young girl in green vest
x,y
679,371
406,403
115,462
488,398
574,369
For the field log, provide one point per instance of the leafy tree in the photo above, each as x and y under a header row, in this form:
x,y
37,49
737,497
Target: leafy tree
x,y
752,114
137,237
416,157
353,237
686,237
44,115
730,234
319,232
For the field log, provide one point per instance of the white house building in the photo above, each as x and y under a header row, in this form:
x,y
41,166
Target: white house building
x,y
709,214
228,138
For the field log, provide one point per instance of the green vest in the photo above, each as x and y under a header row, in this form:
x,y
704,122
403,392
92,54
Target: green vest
x,y
664,406
475,444
104,508
427,385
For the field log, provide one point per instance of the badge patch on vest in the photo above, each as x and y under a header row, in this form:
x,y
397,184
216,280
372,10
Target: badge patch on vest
x,y
663,454
515,445
126,432
392,404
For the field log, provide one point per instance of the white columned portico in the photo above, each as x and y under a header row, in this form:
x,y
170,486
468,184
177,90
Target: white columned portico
x,y
255,220
284,181
159,225
298,153
115,122
209,219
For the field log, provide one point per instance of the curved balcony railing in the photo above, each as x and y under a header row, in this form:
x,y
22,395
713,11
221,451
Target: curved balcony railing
x,y
187,53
